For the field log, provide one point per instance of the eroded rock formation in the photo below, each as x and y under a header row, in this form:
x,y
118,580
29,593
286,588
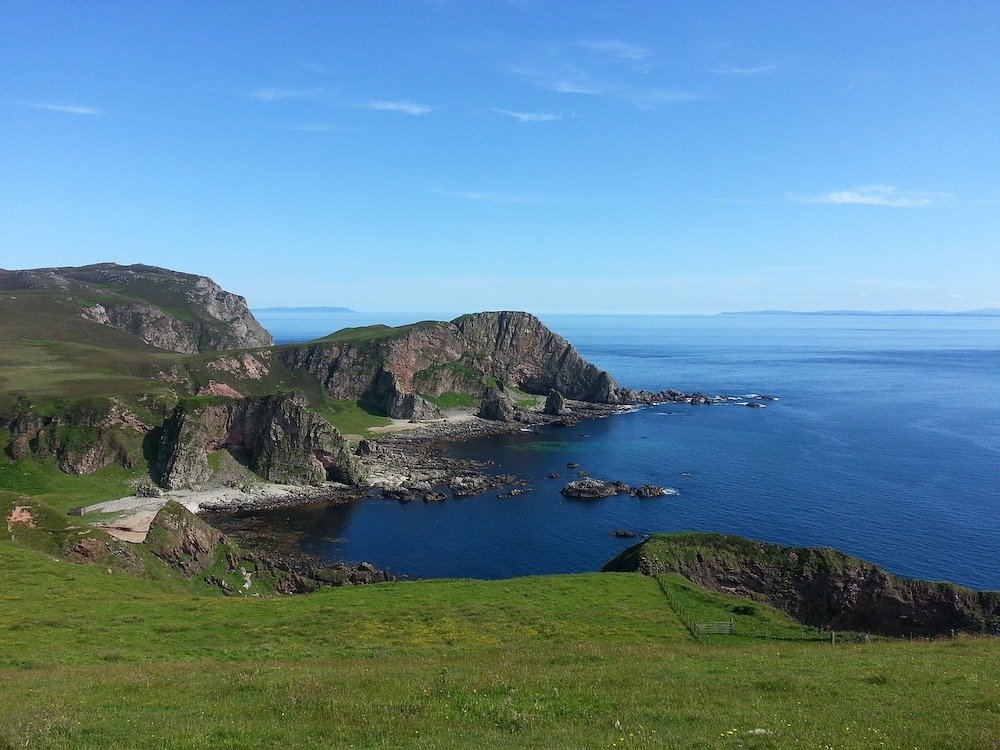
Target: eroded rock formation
x,y
276,436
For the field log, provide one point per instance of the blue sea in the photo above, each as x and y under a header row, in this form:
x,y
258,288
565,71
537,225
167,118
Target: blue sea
x,y
884,443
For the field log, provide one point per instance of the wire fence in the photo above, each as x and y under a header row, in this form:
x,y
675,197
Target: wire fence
x,y
693,627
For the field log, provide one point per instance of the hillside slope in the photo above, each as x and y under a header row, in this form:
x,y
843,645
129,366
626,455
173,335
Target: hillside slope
x,y
166,309
97,659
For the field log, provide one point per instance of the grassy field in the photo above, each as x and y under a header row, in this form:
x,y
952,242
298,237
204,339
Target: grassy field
x,y
97,659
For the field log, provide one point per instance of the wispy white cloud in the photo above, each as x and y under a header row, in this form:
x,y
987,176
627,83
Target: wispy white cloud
x,y
406,107
529,116
758,70
878,195
616,48
68,109
485,197
270,94
570,79
573,81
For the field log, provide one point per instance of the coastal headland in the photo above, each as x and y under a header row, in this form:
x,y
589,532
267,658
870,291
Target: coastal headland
x,y
132,399
165,391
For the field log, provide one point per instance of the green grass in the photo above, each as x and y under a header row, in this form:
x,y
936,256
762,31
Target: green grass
x,y
373,332
453,400
751,620
88,359
98,659
41,479
523,399
349,416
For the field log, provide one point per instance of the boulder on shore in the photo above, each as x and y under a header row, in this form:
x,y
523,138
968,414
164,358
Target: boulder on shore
x,y
497,406
555,404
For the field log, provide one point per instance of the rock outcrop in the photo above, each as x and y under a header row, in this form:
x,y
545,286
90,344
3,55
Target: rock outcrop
x,y
84,436
589,489
497,406
166,309
517,349
276,436
383,367
817,586
555,404
182,540
188,544
595,489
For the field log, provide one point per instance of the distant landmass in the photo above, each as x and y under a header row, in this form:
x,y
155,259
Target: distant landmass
x,y
322,309
990,312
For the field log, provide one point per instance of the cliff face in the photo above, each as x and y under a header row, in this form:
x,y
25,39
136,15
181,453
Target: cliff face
x,y
517,349
83,436
392,369
166,309
276,436
817,586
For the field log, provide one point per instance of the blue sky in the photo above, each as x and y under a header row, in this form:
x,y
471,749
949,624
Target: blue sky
x,y
548,156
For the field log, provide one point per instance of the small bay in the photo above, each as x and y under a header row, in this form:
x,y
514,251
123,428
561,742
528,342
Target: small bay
x,y
884,443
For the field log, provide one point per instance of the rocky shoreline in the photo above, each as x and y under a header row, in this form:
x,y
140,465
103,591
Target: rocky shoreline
x,y
408,461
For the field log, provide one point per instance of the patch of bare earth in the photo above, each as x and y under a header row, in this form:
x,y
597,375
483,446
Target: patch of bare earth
x,y
21,514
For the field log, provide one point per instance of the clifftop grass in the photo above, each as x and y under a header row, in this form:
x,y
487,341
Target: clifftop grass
x,y
98,659
364,334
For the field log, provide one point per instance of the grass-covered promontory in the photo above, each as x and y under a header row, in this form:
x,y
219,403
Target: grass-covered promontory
x,y
818,586
98,659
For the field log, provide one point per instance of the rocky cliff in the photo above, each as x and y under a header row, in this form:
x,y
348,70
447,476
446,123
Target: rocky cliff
x,y
167,309
817,586
395,369
83,435
275,436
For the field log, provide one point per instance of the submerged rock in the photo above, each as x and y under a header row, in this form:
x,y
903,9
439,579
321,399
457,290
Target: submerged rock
x,y
651,490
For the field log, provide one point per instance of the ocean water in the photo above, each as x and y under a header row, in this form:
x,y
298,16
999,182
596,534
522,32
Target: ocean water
x,y
884,443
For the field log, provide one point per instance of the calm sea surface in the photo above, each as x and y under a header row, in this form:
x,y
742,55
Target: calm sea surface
x,y
885,443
